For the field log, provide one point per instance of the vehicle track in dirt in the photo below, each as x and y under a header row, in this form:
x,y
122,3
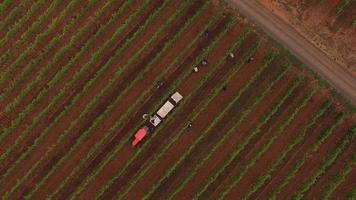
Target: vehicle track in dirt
x,y
307,53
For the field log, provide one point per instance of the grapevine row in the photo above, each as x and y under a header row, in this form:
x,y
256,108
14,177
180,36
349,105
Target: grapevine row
x,y
338,179
228,133
11,18
15,28
326,133
327,162
241,146
35,26
117,123
93,102
31,47
77,97
58,96
57,57
300,135
211,125
196,112
102,116
125,140
265,147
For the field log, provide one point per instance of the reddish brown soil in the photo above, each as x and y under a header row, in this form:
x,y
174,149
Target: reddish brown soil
x,y
44,124
22,45
117,89
83,19
311,137
37,129
212,137
59,131
27,24
122,157
333,171
234,86
344,188
315,160
19,12
278,145
319,22
277,118
187,110
251,150
222,153
227,147
55,156
9,9
121,107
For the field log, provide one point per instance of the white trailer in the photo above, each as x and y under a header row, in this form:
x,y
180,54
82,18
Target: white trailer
x,y
165,109
177,97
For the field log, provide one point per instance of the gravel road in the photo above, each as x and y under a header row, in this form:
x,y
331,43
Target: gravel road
x,y
307,53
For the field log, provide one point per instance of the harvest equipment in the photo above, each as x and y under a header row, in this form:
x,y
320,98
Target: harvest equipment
x,y
157,118
139,135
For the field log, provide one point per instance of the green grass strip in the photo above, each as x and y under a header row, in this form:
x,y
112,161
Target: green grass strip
x,y
15,28
108,86
298,138
55,100
266,145
326,133
43,133
172,88
195,113
256,101
45,70
338,179
11,17
93,101
242,146
39,38
101,117
229,132
299,194
267,61
4,5
341,6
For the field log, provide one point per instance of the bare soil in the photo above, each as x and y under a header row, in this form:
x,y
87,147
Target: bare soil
x,y
318,22
62,153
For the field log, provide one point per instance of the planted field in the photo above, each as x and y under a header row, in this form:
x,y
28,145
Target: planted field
x,y
77,79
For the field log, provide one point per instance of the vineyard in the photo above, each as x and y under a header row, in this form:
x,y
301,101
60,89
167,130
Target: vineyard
x,y
77,77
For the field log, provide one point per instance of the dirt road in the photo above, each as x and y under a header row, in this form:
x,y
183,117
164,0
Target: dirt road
x,y
307,53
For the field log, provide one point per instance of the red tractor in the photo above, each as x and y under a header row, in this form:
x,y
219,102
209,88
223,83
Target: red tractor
x,y
139,135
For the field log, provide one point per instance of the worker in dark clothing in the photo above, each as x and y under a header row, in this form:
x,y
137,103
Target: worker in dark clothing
x,y
224,88
206,33
189,127
250,59
159,84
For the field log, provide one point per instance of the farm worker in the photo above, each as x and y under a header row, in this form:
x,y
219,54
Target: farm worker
x,y
189,127
249,60
195,69
224,88
206,33
204,62
231,55
159,84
